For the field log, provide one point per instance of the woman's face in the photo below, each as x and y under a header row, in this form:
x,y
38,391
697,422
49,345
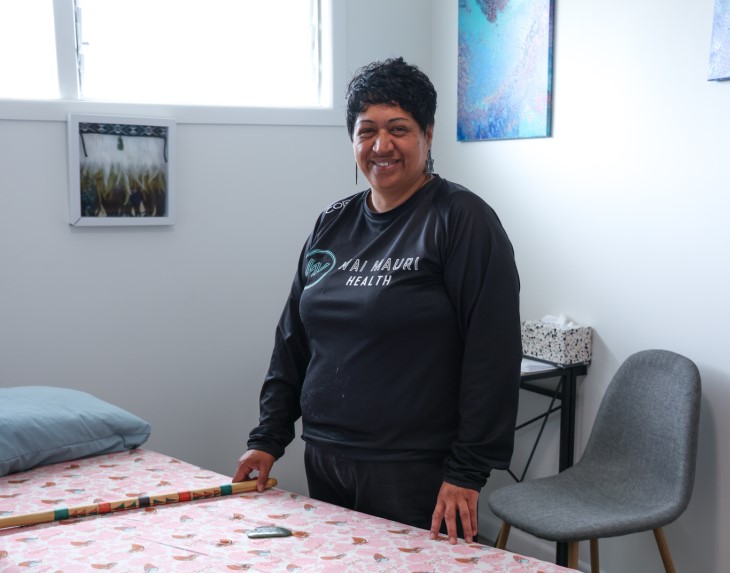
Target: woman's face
x,y
390,149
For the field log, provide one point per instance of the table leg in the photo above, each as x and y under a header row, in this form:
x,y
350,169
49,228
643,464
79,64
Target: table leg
x,y
567,441
567,419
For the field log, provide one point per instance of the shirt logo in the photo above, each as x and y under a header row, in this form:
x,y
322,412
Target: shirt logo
x,y
319,264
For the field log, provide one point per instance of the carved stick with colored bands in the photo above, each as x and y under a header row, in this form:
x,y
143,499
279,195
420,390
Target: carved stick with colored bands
x,y
130,503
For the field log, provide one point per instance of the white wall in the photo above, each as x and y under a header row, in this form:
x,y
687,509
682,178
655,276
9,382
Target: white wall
x,y
176,324
620,221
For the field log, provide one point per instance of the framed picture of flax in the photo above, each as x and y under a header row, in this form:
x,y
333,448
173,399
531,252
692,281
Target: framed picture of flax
x,y
121,170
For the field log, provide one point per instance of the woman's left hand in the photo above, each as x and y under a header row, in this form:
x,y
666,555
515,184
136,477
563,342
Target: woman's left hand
x,y
452,501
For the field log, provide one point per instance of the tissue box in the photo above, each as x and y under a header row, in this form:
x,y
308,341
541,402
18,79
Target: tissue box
x,y
557,344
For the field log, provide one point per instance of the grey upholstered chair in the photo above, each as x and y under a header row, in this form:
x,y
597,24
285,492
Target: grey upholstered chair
x,y
637,470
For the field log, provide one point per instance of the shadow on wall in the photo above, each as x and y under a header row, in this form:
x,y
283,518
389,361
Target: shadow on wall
x,y
701,543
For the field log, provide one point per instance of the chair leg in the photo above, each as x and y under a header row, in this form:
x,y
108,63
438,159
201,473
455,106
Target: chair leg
x,y
661,542
501,542
595,567
573,554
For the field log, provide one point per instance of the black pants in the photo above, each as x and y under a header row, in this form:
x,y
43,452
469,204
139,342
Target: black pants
x,y
400,491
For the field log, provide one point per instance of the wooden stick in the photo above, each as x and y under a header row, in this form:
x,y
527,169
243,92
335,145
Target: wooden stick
x,y
131,503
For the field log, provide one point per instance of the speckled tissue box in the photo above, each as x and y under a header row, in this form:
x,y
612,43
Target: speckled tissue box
x,y
556,344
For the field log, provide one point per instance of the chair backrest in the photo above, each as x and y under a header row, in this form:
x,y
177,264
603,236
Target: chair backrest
x,y
645,432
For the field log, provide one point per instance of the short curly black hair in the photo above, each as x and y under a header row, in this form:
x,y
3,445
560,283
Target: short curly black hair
x,y
393,82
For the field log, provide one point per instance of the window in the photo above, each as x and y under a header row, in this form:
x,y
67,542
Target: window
x,y
231,54
25,47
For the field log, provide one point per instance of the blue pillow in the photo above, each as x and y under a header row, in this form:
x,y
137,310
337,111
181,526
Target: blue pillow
x,y
43,425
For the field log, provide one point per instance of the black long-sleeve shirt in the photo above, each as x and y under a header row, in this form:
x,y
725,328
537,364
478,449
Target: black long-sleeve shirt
x,y
401,336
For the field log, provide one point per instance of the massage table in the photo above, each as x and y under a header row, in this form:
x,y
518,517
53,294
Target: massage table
x,y
210,534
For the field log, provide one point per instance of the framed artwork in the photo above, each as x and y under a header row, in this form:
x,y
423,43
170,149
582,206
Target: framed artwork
x,y
720,47
505,69
121,170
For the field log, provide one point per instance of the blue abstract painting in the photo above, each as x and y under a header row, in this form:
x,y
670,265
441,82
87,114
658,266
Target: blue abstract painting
x,y
505,69
720,49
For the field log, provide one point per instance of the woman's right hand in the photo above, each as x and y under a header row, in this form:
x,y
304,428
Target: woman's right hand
x,y
254,460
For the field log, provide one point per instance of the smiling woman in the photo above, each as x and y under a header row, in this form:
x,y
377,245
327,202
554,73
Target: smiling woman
x,y
390,117
391,150
400,343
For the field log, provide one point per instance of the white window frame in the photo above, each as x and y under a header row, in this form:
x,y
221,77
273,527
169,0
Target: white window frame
x,y
58,109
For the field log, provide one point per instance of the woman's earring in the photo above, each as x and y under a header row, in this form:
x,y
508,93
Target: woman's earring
x,y
429,162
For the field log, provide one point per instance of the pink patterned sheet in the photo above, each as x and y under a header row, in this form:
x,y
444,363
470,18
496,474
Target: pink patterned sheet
x,y
210,535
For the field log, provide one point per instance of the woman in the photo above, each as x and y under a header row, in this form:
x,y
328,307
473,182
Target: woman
x,y
399,345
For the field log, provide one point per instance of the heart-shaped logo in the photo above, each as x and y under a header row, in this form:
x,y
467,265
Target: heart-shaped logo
x,y
319,263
